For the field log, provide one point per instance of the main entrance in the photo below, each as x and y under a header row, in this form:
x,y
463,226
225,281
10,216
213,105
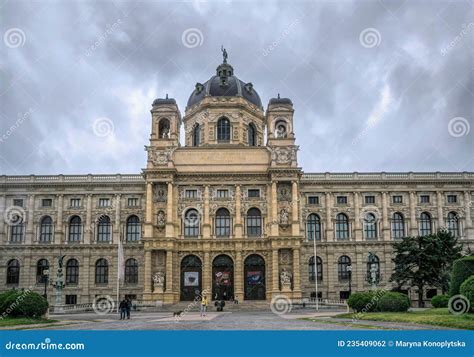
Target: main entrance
x,y
191,278
222,278
254,270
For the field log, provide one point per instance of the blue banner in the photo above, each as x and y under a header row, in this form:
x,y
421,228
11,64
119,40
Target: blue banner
x,y
238,343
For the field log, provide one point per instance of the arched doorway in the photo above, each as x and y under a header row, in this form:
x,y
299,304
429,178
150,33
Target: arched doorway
x,y
254,274
222,278
191,277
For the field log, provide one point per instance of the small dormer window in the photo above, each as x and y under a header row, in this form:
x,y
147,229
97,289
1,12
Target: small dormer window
x,y
249,88
199,88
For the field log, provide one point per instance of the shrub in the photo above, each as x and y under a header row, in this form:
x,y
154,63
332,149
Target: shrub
x,y
467,289
462,269
362,301
4,299
440,301
393,302
23,303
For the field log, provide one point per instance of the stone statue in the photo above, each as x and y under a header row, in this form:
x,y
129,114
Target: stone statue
x,y
281,131
285,280
224,53
158,282
166,133
161,219
284,217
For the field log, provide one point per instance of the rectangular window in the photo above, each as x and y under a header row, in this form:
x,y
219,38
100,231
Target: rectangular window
x,y
104,202
313,200
452,198
253,193
191,194
46,202
369,200
222,193
133,202
424,199
75,202
71,299
18,202
341,200
397,199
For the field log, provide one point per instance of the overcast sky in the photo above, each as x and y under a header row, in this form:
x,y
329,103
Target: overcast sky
x,y
376,85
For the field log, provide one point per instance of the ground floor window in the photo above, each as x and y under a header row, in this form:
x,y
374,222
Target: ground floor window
x,y
71,299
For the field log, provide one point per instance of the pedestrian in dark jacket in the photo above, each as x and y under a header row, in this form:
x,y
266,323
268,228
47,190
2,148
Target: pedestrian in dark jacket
x,y
123,309
128,308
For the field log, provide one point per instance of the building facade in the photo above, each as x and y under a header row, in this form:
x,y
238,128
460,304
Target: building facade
x,y
228,212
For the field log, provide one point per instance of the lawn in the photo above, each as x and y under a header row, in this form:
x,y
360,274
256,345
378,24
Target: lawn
x,y
15,321
437,317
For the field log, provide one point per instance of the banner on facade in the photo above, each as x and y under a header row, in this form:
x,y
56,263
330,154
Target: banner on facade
x,y
223,278
191,278
254,277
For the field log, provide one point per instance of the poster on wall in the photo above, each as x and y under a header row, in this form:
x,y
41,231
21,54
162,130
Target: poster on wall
x,y
191,278
223,278
254,277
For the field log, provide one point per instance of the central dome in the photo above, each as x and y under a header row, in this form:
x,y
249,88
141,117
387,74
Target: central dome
x,y
224,84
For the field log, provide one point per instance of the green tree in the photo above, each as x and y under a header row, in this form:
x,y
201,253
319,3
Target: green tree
x,y
425,261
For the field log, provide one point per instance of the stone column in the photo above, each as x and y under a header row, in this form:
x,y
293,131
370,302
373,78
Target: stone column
x,y
117,234
439,206
296,273
274,210
385,224
169,212
468,221
359,268
294,210
169,272
331,277
206,273
275,272
148,272
3,231
88,230
238,213
357,223
413,225
329,227
30,227
149,203
239,275
58,232
206,227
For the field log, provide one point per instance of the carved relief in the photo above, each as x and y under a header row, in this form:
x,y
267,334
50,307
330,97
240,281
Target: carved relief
x,y
160,156
283,155
160,192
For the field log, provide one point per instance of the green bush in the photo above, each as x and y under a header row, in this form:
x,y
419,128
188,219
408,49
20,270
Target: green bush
x,y
467,289
393,302
462,269
26,303
362,301
440,301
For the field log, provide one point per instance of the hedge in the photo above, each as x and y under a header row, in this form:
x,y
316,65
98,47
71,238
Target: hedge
x,y
462,269
440,301
467,289
379,301
393,302
17,303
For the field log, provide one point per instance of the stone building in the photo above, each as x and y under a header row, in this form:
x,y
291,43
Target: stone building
x,y
228,212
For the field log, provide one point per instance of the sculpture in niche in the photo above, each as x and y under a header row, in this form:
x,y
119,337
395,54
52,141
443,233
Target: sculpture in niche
x,y
161,219
284,221
158,282
281,132
285,279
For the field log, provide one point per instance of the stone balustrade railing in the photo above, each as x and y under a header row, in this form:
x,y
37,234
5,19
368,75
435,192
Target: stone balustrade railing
x,y
387,176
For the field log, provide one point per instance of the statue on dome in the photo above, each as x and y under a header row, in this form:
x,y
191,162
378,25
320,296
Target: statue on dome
x,y
224,53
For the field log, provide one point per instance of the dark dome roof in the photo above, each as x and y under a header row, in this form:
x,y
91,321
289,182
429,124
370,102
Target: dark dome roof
x,y
224,84
160,101
280,100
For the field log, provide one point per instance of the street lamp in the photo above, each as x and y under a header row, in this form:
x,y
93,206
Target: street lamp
x,y
349,272
45,278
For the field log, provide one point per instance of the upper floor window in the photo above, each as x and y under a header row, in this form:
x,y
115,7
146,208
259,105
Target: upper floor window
x,y
370,226
104,202
453,224
341,200
75,202
369,200
133,229
342,226
313,227
46,202
313,200
222,193
190,194
197,135
253,192
133,202
18,202
104,229
425,224
191,223
252,135
75,229
452,198
223,130
46,229
17,230
425,199
222,222
397,199
13,272
254,222
398,225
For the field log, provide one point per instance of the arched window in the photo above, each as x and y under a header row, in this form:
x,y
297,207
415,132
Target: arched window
x,y
75,229
453,224
104,229
313,227
13,272
319,266
164,128
101,271
398,225
254,222
370,226
281,130
252,135
41,268
223,130
222,222
342,226
191,223
197,135
343,267
131,271
133,229
373,269
425,224
17,231
72,271
46,229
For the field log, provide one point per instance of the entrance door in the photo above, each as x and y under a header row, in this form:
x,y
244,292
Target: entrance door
x,y
254,270
222,278
191,278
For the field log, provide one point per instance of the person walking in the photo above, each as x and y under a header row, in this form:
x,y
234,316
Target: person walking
x,y
203,305
128,307
123,309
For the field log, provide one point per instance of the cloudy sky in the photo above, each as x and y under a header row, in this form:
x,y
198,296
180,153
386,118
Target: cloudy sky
x,y
377,85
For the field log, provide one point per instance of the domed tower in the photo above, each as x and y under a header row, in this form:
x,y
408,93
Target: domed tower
x,y
224,111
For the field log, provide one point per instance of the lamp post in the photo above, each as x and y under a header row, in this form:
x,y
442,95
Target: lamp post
x,y
45,274
349,272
